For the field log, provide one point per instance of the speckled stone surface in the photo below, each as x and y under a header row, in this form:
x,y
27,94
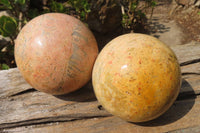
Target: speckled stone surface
x,y
136,77
55,53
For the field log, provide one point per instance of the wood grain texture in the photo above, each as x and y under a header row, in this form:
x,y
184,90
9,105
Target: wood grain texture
x,y
188,53
183,115
25,110
11,82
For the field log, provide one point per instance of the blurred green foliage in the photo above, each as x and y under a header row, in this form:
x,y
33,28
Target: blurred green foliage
x,y
8,26
21,12
4,66
136,12
82,7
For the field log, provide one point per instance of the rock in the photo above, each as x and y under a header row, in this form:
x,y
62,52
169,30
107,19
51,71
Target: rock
x,y
4,13
105,16
185,2
197,4
192,2
4,40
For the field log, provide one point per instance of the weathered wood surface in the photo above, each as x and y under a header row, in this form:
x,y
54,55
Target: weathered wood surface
x,y
23,109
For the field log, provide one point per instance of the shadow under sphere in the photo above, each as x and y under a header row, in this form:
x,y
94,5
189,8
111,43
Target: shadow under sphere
x,y
84,94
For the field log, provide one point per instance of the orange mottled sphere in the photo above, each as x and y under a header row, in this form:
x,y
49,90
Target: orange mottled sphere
x,y
136,77
55,53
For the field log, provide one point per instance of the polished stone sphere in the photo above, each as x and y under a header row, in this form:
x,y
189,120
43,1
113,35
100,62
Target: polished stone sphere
x,y
136,77
55,53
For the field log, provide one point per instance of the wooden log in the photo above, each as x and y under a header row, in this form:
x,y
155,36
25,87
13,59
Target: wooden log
x,y
24,109
188,53
26,106
37,105
11,82
182,116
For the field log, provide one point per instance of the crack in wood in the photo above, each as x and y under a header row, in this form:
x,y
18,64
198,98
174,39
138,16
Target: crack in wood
x,y
100,107
24,92
190,73
190,62
184,129
48,120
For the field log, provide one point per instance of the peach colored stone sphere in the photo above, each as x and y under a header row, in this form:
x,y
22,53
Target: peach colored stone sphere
x,y
136,77
55,53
